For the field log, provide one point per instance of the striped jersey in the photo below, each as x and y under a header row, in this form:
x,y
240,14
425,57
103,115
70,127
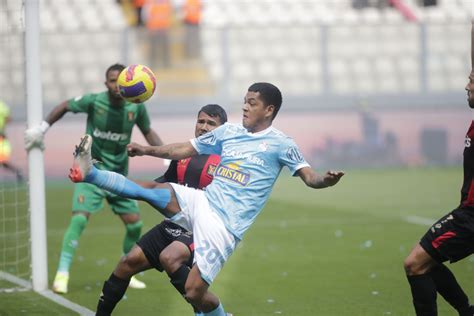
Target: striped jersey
x,y
250,164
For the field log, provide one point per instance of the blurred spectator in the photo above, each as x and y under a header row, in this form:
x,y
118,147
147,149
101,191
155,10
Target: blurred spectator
x,y
427,3
5,148
362,4
191,11
157,15
370,129
138,5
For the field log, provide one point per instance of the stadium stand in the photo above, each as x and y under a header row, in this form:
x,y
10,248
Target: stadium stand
x,y
318,48
368,50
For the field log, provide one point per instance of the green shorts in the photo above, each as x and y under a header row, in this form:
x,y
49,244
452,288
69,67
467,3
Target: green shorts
x,y
89,198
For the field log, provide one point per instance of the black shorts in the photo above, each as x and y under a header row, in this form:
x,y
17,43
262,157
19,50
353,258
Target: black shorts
x,y
451,237
159,237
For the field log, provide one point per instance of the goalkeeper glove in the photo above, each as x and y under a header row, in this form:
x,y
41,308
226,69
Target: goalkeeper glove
x,y
34,136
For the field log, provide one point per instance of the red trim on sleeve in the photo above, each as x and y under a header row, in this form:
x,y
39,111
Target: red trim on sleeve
x,y
441,239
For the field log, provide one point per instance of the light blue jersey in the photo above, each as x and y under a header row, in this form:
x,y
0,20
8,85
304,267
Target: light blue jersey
x,y
250,164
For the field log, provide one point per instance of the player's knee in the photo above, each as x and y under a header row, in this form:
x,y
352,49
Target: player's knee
x,y
130,262
413,267
193,295
134,229
79,221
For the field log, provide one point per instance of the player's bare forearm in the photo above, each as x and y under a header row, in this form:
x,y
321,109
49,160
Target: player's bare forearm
x,y
174,151
152,138
316,181
57,113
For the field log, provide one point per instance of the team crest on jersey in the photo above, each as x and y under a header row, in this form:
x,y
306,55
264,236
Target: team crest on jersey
x,y
231,172
294,154
99,111
80,199
130,116
211,169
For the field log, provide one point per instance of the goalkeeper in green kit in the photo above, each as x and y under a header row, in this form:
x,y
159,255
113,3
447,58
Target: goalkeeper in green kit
x,y
110,121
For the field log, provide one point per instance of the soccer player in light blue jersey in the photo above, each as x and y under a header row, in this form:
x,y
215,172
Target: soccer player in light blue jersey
x,y
252,156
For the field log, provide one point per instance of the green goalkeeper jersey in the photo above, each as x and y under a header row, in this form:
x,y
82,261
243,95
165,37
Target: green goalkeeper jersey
x,y
111,128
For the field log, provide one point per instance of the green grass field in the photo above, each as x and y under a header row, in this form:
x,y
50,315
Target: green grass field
x,y
337,251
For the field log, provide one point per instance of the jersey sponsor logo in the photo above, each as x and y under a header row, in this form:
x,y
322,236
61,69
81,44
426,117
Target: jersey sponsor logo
x,y
175,232
108,135
207,139
467,141
232,173
263,146
244,156
294,154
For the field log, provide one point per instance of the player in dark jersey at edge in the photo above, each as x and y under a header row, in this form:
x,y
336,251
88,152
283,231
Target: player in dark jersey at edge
x,y
450,238
110,121
167,246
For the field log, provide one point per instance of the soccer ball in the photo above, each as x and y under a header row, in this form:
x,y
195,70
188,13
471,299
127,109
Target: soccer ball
x,y
136,83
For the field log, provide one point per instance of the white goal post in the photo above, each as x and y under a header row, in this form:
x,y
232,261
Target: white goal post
x,y
39,265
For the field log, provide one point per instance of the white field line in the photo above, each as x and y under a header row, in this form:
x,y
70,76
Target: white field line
x,y
418,220
58,299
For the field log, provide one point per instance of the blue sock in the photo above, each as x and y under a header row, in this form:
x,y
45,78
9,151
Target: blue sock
x,y
219,311
120,185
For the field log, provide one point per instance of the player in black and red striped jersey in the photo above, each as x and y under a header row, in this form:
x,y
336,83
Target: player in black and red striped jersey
x,y
167,246
450,238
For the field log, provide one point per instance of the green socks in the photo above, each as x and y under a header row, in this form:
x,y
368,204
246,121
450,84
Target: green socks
x,y
71,241
132,235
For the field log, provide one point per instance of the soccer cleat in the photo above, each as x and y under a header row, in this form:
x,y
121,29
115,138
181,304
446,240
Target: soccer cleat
x,y
82,160
60,282
136,284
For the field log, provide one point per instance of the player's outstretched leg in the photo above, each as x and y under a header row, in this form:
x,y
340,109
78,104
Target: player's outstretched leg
x,y
83,170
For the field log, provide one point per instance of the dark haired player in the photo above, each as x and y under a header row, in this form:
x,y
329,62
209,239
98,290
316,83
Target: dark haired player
x,y
110,121
450,238
167,246
252,156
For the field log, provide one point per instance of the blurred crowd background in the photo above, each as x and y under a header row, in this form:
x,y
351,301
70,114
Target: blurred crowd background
x,y
366,83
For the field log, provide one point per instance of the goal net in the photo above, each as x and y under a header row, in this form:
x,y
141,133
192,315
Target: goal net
x,y
15,256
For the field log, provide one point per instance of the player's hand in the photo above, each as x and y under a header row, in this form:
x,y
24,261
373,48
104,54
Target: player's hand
x,y
34,137
134,149
332,177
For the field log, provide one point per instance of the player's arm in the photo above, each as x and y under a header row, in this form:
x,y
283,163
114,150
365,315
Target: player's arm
x,y
35,134
174,151
152,138
316,181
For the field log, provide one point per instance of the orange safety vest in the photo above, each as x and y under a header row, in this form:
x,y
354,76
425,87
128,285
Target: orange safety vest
x,y
138,3
192,11
159,14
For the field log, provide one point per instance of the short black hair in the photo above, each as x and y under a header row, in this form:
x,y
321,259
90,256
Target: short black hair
x,y
214,110
269,94
116,66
